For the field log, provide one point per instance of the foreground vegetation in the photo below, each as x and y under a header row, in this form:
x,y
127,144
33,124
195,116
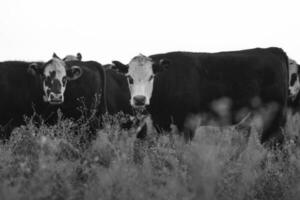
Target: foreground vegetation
x,y
52,162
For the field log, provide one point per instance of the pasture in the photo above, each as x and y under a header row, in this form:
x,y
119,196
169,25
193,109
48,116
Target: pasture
x,y
52,162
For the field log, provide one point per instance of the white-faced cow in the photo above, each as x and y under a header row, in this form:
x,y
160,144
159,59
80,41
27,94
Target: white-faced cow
x,y
41,87
140,77
73,84
55,74
32,87
176,85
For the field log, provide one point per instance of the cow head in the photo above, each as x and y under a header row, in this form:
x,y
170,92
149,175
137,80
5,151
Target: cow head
x,y
78,57
294,81
55,74
140,73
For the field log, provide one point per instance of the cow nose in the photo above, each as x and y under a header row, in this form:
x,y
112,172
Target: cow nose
x,y
56,97
139,100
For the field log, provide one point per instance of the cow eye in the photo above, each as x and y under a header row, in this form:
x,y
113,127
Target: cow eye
x,y
48,81
64,80
151,77
130,80
293,79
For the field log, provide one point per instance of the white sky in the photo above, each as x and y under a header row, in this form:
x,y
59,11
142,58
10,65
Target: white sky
x,y
120,29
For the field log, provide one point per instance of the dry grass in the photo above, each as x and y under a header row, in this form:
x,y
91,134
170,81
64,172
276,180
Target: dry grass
x,y
51,163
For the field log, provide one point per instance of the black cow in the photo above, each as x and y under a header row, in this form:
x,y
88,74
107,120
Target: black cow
x,y
99,89
33,87
108,87
92,81
40,87
85,94
175,85
21,93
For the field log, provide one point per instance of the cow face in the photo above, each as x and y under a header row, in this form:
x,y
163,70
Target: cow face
x,y
294,81
140,73
140,78
55,75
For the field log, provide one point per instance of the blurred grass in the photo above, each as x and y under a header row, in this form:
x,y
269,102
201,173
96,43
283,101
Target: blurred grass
x,y
51,162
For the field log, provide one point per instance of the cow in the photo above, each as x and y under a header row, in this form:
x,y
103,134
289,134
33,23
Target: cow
x,y
98,89
78,57
84,90
94,80
45,87
21,93
28,88
174,86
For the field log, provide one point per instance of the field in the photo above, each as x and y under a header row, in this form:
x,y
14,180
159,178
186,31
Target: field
x,y
52,162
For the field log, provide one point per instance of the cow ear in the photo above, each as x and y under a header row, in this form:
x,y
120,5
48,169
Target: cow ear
x,y
79,56
35,68
74,73
55,56
120,67
162,65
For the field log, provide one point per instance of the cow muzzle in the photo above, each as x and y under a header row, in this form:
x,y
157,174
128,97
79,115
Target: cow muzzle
x,y
139,101
54,99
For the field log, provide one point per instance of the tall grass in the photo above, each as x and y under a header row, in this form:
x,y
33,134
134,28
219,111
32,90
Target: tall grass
x,y
51,162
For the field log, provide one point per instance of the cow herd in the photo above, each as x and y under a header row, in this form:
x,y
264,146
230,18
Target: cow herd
x,y
171,88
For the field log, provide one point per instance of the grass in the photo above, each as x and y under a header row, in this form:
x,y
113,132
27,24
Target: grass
x,y
52,162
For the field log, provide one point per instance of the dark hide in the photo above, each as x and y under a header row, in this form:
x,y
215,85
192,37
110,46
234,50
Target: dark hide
x,y
117,93
193,81
21,94
95,92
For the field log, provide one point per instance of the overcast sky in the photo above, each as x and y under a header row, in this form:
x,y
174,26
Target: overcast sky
x,y
120,29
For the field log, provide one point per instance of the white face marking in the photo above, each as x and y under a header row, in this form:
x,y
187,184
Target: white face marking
x,y
140,79
294,82
55,81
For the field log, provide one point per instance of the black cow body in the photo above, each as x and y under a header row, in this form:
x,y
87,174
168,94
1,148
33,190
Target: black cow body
x,y
117,93
108,87
193,81
21,93
85,94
